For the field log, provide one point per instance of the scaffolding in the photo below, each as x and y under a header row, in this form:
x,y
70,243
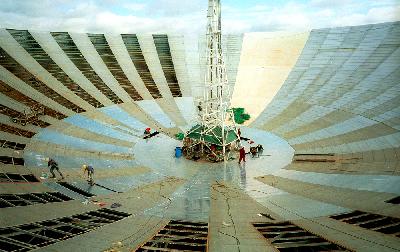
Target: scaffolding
x,y
216,133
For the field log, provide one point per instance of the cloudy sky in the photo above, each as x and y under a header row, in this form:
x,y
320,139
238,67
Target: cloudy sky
x,y
189,16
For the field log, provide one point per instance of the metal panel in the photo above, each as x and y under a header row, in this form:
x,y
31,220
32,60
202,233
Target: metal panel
x,y
14,67
135,52
164,55
66,43
25,39
18,96
103,49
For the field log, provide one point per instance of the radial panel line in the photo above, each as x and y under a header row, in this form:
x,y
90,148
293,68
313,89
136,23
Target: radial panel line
x,y
18,96
135,52
16,131
164,55
14,67
25,39
15,114
66,43
103,49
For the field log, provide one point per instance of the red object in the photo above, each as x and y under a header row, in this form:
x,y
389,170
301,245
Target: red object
x,y
242,155
148,130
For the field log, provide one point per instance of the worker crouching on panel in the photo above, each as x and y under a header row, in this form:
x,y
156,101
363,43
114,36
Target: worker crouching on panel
x,y
90,171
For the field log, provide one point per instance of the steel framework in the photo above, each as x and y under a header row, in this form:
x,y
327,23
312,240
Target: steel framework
x,y
214,112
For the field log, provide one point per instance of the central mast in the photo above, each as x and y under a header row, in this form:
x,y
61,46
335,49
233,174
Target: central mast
x,y
216,131
216,94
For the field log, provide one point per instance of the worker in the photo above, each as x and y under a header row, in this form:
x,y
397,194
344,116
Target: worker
x,y
260,150
147,131
54,166
242,154
90,171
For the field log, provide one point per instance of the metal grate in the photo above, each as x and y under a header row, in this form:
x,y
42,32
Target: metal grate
x,y
16,131
75,189
16,95
66,43
15,178
374,222
179,236
13,200
15,117
103,49
395,200
40,234
14,67
135,52
164,55
11,160
11,145
25,39
286,236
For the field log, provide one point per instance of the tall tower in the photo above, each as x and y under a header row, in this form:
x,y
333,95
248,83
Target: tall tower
x,y
217,127
216,89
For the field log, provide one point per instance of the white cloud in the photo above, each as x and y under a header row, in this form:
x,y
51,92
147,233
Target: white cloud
x,y
189,16
134,6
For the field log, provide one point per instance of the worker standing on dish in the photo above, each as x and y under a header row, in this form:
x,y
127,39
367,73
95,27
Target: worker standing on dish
x,y
242,154
54,166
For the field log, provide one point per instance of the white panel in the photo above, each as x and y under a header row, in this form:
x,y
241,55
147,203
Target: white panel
x,y
50,46
12,104
177,48
193,65
32,93
7,120
11,46
88,51
124,60
150,55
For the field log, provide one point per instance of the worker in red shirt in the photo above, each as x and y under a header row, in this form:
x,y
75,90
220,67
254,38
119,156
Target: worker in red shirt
x,y
242,155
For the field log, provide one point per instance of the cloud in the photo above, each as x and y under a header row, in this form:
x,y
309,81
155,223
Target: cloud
x,y
330,4
126,16
134,6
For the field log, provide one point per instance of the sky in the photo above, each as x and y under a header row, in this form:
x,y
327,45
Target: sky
x,y
189,16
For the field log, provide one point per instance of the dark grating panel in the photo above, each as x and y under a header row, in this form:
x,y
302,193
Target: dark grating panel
x,y
14,67
12,200
179,236
12,177
11,145
15,114
16,95
66,43
135,52
103,49
374,222
286,236
25,39
30,178
31,236
164,54
395,200
11,160
16,131
75,189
